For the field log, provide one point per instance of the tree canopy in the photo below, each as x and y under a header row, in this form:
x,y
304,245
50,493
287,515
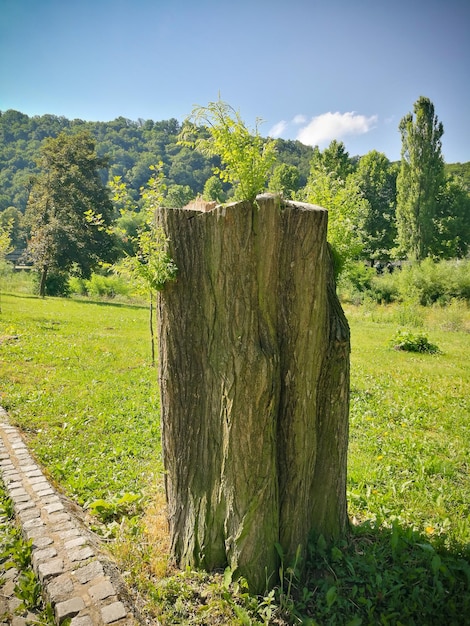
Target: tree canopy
x,y
130,147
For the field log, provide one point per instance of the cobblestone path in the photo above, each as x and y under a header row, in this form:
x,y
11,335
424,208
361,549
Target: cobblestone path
x,y
77,580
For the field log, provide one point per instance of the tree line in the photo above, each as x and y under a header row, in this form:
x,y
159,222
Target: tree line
x,y
130,148
74,190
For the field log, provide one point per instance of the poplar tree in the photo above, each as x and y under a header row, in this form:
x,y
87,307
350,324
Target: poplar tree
x,y
420,180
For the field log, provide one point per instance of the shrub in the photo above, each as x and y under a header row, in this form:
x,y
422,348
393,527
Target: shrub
x,y
385,289
355,281
6,268
100,286
411,342
424,283
78,285
108,286
429,282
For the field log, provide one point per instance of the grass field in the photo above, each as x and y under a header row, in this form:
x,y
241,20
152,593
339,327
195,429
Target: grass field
x,y
75,375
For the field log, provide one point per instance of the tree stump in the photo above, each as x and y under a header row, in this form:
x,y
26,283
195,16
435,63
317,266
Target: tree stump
x,y
254,383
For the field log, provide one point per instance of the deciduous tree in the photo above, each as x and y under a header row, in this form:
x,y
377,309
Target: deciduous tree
x,y
376,178
285,180
213,190
452,221
347,208
69,211
11,218
334,160
178,196
5,239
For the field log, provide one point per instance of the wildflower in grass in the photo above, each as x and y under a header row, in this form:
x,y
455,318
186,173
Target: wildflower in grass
x,y
429,530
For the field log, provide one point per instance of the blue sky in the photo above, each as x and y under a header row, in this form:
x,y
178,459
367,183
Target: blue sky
x,y
313,70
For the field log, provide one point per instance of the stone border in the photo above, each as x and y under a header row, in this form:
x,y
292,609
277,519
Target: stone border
x,y
78,581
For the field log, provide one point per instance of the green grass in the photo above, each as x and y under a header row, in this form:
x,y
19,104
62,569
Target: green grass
x,y
75,376
410,429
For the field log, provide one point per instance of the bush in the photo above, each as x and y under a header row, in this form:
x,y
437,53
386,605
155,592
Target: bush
x,y
385,289
410,342
355,280
424,283
78,286
6,268
100,286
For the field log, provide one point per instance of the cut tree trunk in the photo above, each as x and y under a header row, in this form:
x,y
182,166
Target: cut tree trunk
x,y
254,382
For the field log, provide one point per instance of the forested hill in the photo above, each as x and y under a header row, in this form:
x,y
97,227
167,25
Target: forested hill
x,y
131,147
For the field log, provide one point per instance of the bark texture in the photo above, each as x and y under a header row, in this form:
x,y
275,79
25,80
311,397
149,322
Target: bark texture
x,y
254,382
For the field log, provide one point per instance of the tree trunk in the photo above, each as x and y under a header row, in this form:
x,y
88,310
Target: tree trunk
x,y
152,334
254,381
42,283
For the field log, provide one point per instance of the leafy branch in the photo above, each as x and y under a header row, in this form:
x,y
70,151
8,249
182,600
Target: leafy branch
x,y
150,267
246,157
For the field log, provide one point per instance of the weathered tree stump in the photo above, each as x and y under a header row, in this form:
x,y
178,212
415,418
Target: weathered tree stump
x,y
254,382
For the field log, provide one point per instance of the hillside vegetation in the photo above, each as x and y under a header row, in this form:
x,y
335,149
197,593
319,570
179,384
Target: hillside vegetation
x,y
130,146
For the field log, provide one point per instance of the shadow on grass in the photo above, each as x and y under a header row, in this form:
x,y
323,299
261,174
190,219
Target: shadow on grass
x,y
109,303
391,576
79,300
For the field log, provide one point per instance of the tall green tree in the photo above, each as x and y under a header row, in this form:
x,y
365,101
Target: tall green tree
x,y
377,179
285,179
5,239
12,218
420,180
178,196
347,207
213,190
69,212
452,220
334,160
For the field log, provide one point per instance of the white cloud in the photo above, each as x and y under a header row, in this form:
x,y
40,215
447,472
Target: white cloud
x,y
278,129
322,129
299,119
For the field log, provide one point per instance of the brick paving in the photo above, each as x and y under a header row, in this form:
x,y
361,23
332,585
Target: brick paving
x,y
76,578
